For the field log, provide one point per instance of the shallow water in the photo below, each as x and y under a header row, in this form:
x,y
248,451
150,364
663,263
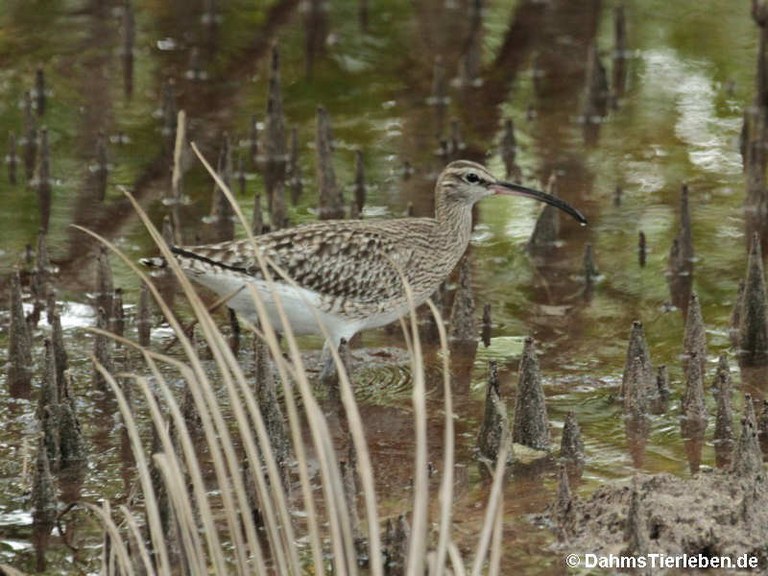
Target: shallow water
x,y
690,72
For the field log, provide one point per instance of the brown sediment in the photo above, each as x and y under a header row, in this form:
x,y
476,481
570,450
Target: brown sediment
x,y
494,427
19,367
331,199
711,514
531,424
463,326
753,329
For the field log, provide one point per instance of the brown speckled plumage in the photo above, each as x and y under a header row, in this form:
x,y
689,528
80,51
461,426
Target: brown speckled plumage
x,y
354,269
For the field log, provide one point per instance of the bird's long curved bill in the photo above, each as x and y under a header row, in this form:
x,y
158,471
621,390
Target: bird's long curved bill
x,y
510,189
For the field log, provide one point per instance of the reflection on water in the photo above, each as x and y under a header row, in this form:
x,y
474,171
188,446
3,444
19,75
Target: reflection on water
x,y
107,71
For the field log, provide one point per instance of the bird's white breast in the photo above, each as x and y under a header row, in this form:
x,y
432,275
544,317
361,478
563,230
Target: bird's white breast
x,y
302,307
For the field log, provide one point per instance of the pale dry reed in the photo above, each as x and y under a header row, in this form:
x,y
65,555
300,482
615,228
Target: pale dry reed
x,y
214,530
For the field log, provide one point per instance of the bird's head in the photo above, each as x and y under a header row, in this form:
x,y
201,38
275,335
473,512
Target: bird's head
x,y
463,183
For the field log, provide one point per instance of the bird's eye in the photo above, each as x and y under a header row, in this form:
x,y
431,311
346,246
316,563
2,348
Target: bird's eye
x,y
472,178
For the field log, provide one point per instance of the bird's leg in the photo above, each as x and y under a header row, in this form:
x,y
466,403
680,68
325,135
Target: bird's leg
x,y
328,373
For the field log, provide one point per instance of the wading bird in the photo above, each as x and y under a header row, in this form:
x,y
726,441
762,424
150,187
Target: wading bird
x,y
348,275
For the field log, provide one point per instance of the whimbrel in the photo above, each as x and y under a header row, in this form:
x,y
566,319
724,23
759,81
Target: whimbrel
x,y
348,274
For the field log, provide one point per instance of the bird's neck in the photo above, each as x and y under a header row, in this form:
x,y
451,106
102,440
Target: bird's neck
x,y
454,225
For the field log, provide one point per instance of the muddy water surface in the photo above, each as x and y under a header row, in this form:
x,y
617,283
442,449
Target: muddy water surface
x,y
689,76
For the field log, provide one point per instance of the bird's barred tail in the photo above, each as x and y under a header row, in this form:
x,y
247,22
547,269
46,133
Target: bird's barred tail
x,y
156,263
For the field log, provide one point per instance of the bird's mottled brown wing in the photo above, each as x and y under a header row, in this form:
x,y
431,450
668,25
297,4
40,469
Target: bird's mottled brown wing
x,y
356,261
